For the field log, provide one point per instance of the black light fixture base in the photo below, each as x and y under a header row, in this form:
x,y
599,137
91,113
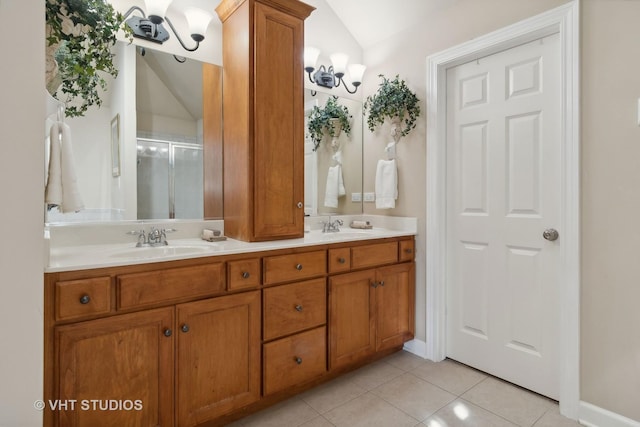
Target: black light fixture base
x,y
143,28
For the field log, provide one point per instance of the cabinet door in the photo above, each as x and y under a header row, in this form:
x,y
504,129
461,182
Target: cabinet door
x,y
395,305
217,357
351,317
126,361
279,125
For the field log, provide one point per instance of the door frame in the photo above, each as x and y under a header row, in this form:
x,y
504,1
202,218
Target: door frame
x,y
564,20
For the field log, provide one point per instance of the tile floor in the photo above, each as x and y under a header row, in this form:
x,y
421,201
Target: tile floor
x,y
405,390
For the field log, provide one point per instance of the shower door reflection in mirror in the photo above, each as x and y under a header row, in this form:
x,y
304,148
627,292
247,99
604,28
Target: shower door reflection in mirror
x,y
169,180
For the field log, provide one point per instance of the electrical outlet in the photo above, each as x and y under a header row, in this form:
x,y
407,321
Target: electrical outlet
x,y
369,197
356,197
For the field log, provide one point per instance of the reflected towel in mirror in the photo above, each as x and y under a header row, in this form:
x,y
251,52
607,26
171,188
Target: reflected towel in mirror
x,y
62,185
335,187
386,184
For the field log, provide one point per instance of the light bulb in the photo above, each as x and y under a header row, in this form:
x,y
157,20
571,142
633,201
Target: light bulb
x,y
356,71
198,21
156,10
339,61
310,58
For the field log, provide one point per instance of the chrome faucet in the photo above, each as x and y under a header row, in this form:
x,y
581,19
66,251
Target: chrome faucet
x,y
331,226
155,237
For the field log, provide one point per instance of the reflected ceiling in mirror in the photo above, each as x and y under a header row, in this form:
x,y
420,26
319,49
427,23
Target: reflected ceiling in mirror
x,y
158,105
333,172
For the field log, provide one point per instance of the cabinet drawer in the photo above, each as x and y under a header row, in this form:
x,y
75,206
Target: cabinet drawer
x,y
295,307
339,260
294,360
406,250
154,287
374,255
286,268
243,274
78,298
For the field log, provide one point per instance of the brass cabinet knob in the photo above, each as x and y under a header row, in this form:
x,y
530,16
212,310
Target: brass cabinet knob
x,y
298,360
245,274
298,267
342,260
298,307
85,299
185,328
167,332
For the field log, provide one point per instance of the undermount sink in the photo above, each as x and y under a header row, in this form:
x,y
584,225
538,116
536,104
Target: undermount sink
x,y
160,251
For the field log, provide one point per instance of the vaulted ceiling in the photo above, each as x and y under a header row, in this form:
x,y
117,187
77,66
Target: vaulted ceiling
x,y
371,21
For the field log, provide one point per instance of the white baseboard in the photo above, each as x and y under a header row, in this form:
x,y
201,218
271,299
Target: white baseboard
x,y
417,347
594,416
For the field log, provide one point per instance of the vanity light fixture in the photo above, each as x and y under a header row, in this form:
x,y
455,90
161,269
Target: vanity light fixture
x,y
333,76
149,26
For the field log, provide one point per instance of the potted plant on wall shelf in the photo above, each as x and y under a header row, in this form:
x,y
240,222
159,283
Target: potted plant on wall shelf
x,y
332,119
80,35
395,101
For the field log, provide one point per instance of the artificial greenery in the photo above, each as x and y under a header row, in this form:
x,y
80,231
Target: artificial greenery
x,y
393,99
84,32
320,120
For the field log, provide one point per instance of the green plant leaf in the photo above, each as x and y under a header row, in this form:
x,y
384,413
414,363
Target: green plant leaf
x,y
392,99
319,123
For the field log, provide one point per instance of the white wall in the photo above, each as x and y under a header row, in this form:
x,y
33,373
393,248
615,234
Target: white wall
x,y
22,214
610,318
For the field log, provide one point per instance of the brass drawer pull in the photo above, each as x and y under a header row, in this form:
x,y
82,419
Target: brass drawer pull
x,y
167,332
342,260
298,307
299,267
245,274
85,299
298,360
185,328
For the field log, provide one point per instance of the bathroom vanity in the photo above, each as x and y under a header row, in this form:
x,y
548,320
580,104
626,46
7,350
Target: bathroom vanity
x,y
225,331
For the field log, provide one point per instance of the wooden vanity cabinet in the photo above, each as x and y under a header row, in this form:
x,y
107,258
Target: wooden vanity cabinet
x,y
263,42
203,341
126,358
217,356
374,309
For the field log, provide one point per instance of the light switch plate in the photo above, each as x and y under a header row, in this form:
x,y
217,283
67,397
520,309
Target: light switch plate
x,y
369,197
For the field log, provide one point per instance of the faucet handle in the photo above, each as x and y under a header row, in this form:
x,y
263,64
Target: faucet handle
x,y
142,239
339,222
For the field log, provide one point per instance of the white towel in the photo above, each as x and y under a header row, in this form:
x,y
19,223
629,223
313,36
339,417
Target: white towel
x,y
53,191
62,184
335,187
386,184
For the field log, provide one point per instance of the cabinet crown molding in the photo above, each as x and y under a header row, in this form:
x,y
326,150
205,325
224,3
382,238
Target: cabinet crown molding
x,y
292,7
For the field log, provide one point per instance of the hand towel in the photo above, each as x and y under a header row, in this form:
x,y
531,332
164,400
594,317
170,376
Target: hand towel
x,y
62,184
386,184
53,190
335,187
71,199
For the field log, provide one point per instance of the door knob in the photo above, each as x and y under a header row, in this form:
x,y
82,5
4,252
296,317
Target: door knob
x,y
550,234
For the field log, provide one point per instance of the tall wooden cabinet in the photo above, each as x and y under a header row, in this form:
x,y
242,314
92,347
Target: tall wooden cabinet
x,y
263,42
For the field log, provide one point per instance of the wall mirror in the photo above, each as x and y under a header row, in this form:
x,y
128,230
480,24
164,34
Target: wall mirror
x,y
323,179
140,155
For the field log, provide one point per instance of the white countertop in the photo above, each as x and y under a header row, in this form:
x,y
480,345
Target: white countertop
x,y
84,256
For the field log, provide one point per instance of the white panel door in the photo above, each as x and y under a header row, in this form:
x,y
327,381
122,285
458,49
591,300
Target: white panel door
x,y
503,191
